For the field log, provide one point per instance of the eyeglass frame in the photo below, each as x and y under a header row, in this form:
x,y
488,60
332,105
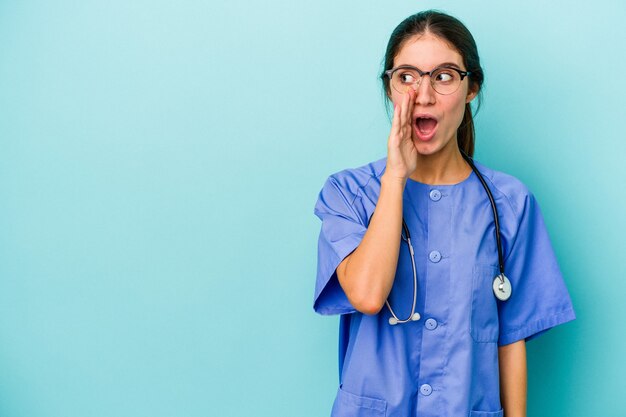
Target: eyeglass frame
x,y
463,74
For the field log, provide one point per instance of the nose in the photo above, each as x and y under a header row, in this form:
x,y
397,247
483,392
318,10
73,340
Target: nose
x,y
425,94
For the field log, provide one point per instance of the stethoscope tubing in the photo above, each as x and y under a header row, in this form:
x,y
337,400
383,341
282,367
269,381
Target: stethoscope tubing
x,y
494,209
406,236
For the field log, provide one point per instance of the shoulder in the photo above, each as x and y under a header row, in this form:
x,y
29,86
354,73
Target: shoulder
x,y
508,188
352,192
521,222
352,181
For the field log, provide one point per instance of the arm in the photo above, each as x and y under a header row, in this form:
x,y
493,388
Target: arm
x,y
513,381
367,274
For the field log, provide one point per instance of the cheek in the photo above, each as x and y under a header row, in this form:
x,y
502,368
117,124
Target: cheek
x,y
456,110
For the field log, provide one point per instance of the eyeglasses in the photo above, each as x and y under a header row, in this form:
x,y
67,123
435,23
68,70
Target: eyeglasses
x,y
445,80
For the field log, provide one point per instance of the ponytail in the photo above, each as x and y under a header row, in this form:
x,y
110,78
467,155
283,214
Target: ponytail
x,y
465,132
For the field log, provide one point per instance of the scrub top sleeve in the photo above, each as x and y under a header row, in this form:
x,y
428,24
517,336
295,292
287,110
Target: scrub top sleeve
x,y
539,298
341,232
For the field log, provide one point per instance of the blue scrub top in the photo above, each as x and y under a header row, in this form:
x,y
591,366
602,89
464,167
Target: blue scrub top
x,y
445,364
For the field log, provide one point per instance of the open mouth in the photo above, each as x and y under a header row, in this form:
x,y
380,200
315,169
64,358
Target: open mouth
x,y
425,127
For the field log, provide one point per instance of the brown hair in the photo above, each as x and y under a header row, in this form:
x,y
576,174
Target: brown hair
x,y
459,37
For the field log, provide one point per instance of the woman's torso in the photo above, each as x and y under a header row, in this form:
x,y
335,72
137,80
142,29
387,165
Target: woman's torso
x,y
445,364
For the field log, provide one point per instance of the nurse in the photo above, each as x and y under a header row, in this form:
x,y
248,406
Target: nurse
x,y
463,352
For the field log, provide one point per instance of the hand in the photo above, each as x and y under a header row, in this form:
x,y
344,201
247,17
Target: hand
x,y
401,152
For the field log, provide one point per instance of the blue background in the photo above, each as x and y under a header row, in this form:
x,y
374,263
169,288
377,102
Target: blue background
x,y
159,163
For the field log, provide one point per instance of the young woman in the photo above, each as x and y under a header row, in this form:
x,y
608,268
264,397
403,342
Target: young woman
x,y
440,267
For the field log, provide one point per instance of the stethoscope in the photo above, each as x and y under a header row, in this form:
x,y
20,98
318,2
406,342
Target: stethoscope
x,y
501,284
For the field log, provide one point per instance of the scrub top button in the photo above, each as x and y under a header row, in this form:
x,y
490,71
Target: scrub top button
x,y
435,195
426,389
431,324
434,256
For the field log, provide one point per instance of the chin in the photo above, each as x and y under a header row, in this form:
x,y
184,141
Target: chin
x,y
427,148
431,147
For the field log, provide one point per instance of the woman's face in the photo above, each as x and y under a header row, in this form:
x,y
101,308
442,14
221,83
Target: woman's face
x,y
436,117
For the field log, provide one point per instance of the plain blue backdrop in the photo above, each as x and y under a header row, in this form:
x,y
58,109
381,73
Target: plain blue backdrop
x,y
159,163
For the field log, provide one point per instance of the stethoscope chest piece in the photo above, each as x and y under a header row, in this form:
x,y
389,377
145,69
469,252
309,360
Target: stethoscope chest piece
x,y
502,287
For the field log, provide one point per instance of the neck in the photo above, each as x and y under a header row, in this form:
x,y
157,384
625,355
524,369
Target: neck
x,y
442,168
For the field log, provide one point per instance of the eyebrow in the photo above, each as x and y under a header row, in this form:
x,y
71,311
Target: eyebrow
x,y
445,64
449,64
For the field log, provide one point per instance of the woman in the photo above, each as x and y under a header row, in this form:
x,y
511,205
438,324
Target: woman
x,y
445,337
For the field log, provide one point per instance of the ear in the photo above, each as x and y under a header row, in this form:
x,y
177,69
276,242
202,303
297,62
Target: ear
x,y
471,94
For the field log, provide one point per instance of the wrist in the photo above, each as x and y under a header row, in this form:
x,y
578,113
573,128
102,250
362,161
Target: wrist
x,y
393,180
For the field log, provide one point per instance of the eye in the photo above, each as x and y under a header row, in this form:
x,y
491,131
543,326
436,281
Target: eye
x,y
407,77
445,76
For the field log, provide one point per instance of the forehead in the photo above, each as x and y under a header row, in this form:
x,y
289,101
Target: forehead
x,y
426,51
